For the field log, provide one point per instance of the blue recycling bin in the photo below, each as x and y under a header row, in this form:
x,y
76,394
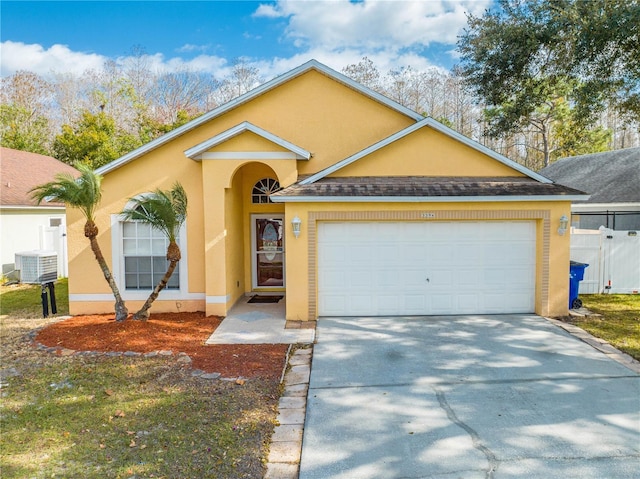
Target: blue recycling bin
x,y
576,274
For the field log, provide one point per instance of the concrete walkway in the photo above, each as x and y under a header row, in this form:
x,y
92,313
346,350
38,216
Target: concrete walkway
x,y
258,323
491,397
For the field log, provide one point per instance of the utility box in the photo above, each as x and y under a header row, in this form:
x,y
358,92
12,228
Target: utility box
x,y
37,267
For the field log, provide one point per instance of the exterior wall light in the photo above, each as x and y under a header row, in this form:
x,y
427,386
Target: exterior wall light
x,y
564,224
295,225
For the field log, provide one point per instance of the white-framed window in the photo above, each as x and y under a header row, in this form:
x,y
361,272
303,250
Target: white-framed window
x,y
262,189
144,249
139,261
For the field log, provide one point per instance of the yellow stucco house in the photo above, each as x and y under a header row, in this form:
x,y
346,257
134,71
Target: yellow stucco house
x,y
347,203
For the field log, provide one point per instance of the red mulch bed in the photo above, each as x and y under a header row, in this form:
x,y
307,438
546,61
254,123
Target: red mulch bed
x,y
178,332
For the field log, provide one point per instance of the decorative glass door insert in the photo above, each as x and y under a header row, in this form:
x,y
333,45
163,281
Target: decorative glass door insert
x,y
268,251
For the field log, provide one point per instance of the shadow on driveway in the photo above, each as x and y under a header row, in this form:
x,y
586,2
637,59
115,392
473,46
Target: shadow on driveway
x,y
508,396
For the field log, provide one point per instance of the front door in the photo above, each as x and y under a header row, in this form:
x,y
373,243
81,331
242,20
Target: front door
x,y
267,251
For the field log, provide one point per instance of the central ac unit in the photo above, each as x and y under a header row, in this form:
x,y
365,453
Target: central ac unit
x,y
37,267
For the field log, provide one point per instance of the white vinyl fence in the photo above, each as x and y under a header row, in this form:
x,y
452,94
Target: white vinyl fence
x,y
613,258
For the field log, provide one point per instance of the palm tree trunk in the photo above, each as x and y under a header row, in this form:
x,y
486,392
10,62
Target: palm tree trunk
x,y
91,231
143,313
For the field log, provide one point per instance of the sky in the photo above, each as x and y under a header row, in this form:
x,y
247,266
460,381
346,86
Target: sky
x,y
48,37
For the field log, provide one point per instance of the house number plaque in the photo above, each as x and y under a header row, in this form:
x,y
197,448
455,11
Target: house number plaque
x,y
428,215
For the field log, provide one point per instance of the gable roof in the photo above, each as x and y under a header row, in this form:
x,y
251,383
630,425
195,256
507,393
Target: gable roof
x,y
21,171
609,177
196,152
407,189
436,125
260,90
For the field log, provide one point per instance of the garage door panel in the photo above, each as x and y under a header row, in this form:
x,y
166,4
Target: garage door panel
x,y
362,254
331,279
440,253
468,303
334,253
387,304
414,303
441,304
425,268
439,278
332,304
469,278
415,251
361,302
387,254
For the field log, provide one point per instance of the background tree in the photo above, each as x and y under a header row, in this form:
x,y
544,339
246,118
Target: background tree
x,y
365,73
526,58
26,98
243,78
94,140
22,130
182,92
83,193
165,211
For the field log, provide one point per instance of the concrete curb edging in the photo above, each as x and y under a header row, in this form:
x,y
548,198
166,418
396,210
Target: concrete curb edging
x,y
286,441
599,344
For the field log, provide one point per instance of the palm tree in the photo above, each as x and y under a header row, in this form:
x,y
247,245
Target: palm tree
x,y
83,193
165,211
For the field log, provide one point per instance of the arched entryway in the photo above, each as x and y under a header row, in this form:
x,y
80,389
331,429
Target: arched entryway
x,y
255,231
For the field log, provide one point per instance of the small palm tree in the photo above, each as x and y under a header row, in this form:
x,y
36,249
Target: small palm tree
x,y
165,211
83,193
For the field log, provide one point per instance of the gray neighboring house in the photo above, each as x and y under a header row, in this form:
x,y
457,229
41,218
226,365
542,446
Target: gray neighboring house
x,y
611,178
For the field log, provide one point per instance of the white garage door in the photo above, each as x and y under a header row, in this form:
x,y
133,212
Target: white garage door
x,y
426,268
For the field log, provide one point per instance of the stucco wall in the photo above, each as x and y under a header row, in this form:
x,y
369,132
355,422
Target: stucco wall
x,y
430,153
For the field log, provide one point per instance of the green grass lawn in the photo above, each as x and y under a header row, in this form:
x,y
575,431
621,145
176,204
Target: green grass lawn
x,y
620,322
24,300
100,417
124,417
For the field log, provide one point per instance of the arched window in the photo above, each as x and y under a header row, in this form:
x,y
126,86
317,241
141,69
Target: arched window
x,y
262,189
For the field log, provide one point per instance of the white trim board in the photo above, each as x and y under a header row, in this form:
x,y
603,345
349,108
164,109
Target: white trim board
x,y
248,155
197,152
110,298
420,199
218,299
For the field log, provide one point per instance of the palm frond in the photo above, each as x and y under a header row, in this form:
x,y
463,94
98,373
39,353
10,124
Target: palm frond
x,y
165,211
83,192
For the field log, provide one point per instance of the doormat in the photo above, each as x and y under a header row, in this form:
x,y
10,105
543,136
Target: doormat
x,y
265,299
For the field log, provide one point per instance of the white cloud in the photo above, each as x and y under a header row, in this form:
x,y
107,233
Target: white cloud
x,y
17,56
383,60
392,33
157,63
372,24
268,11
188,48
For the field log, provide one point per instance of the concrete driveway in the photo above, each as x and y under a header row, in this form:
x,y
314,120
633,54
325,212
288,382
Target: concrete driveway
x,y
509,396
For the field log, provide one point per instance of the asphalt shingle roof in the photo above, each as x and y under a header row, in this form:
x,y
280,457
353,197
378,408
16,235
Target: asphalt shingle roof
x,y
20,171
609,177
425,186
